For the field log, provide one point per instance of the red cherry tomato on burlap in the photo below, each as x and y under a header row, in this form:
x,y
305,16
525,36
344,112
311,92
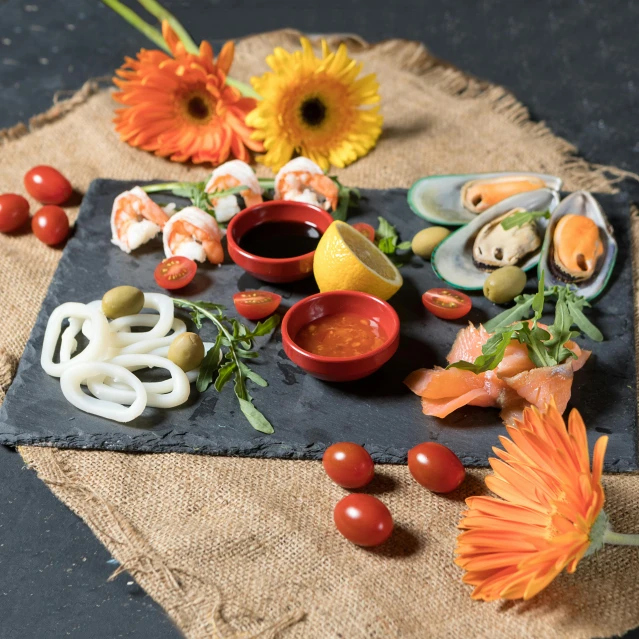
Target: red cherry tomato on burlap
x,y
363,519
447,303
175,272
47,185
348,465
14,212
435,467
256,305
50,225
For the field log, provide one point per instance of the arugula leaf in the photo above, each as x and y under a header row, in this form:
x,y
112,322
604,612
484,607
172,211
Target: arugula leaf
x,y
385,229
255,418
583,323
237,338
523,217
388,245
224,375
523,304
209,366
348,197
492,353
404,246
539,299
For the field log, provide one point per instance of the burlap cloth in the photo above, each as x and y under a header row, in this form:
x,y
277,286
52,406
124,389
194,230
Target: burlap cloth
x,y
246,547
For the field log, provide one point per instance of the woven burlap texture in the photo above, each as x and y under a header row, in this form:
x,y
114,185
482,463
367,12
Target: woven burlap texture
x,y
246,547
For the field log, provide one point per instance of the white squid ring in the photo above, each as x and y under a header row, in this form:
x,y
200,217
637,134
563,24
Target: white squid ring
x,y
149,345
178,386
95,350
73,376
161,303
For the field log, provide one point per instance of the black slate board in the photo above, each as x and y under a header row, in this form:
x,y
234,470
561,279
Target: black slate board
x,y
308,414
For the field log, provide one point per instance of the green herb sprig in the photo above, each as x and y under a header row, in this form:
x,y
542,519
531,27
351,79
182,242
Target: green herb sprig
x,y
523,217
194,191
227,359
387,239
545,347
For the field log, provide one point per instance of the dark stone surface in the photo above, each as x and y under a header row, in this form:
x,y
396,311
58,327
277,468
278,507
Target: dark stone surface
x,y
572,62
307,414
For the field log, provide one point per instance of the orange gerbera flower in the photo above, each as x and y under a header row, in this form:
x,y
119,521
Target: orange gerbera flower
x,y
550,514
181,107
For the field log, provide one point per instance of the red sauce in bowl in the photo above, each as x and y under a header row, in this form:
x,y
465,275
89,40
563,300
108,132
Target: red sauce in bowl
x,y
341,335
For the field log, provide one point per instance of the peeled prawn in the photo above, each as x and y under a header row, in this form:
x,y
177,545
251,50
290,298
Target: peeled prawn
x,y
301,180
229,175
135,219
194,234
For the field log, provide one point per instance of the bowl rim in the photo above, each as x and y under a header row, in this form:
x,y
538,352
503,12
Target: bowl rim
x,y
231,243
390,338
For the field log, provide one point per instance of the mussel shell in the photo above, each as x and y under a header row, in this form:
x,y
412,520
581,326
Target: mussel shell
x,y
438,198
580,203
452,260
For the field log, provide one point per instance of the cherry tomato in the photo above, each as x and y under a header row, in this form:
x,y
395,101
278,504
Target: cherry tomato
x,y
366,230
363,519
50,225
47,185
447,303
175,272
435,467
14,212
256,305
348,465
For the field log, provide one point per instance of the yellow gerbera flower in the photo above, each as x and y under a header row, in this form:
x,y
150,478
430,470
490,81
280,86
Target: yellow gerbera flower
x,y
315,107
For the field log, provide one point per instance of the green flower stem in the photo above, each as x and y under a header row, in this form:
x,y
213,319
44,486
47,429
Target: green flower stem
x,y
166,186
134,20
157,10
245,89
620,539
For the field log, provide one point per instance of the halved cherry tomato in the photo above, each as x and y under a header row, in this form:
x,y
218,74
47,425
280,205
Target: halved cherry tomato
x,y
366,230
348,465
14,212
175,272
435,467
447,303
50,225
47,185
363,519
256,305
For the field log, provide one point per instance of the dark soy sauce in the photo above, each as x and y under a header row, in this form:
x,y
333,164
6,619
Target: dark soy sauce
x,y
278,240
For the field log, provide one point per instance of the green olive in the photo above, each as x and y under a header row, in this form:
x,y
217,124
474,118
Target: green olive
x,y
187,351
426,240
504,284
121,301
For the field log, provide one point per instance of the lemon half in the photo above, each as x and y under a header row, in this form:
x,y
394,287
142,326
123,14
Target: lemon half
x,y
347,261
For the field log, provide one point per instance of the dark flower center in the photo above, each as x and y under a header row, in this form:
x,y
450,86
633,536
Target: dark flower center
x,y
198,108
313,111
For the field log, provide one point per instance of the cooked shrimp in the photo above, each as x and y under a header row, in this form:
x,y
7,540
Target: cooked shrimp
x,y
193,234
227,176
135,219
302,180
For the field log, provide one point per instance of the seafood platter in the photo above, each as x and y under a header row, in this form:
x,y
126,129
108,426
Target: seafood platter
x,y
274,317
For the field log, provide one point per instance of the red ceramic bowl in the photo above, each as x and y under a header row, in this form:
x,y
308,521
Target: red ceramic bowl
x,y
268,269
340,369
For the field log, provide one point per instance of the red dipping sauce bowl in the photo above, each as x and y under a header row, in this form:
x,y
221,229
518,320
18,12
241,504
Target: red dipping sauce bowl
x,y
276,270
340,369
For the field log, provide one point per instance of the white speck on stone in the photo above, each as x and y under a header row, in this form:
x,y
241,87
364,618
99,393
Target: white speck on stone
x,y
10,62
55,49
6,41
17,29
31,8
37,28
70,27
70,68
43,61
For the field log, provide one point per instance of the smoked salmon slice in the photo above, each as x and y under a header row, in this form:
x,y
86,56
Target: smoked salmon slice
x,y
514,384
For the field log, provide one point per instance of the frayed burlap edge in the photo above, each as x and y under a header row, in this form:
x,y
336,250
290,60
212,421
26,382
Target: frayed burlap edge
x,y
134,553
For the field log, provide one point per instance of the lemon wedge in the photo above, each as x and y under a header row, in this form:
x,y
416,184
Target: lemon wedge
x,y
346,260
